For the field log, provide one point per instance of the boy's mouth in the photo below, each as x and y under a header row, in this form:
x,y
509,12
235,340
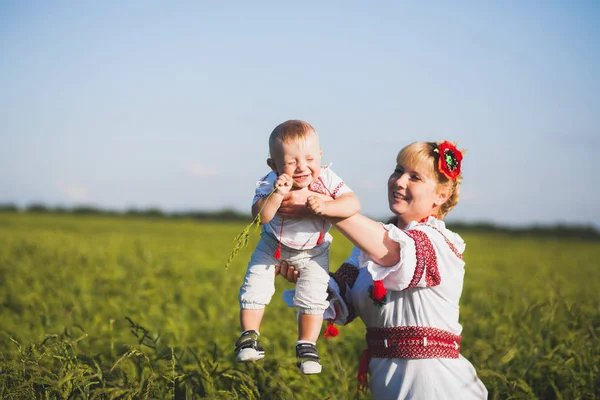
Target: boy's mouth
x,y
301,178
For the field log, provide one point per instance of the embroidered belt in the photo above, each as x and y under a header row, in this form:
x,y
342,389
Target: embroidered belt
x,y
412,342
406,342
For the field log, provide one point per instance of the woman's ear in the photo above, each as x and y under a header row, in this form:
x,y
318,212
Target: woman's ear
x,y
272,165
442,196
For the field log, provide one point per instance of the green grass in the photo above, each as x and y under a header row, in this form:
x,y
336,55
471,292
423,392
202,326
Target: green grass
x,y
101,307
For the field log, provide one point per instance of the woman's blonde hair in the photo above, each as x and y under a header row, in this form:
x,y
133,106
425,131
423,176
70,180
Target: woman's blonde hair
x,y
427,153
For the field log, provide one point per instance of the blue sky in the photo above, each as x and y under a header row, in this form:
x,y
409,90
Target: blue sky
x,y
170,104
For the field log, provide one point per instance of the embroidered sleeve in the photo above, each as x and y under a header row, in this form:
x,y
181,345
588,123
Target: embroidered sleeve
x,y
424,253
332,184
341,310
264,186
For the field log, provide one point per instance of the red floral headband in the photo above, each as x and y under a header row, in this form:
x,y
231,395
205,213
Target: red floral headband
x,y
449,160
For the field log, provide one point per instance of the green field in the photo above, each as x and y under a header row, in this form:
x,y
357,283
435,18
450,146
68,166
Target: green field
x,y
116,307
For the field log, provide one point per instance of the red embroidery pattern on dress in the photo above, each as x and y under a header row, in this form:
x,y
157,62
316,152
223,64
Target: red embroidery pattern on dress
x,y
412,342
406,342
448,242
426,260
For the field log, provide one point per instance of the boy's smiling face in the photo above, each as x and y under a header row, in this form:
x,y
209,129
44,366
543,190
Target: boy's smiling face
x,y
300,159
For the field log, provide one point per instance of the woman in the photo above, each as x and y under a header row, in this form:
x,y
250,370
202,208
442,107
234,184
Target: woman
x,y
404,280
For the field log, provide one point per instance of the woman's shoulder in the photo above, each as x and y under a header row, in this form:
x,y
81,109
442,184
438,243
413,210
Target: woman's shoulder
x,y
439,234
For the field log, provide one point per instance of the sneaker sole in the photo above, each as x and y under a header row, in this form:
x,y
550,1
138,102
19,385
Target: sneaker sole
x,y
246,355
310,367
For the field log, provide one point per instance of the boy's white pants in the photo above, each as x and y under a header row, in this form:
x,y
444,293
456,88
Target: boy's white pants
x,y
311,289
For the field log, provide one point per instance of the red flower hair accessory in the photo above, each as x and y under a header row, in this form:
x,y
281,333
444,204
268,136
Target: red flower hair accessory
x,y
449,161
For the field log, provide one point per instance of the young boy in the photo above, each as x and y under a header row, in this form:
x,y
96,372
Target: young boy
x,y
296,165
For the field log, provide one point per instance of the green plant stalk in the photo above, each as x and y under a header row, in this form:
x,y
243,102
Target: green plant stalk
x,y
241,240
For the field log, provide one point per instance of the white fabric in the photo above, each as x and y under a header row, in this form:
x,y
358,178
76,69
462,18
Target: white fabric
x,y
301,234
434,306
310,296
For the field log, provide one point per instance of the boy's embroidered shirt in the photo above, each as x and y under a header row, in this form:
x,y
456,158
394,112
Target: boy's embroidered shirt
x,y
301,234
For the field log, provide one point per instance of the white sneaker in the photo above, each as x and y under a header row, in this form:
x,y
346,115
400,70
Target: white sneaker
x,y
310,367
247,347
245,355
308,358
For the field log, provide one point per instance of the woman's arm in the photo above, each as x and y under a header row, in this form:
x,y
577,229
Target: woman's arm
x,y
371,237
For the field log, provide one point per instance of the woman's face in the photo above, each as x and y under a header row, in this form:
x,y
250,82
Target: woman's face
x,y
413,194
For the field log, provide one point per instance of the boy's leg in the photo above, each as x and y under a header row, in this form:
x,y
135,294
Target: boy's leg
x,y
311,300
250,319
255,294
309,327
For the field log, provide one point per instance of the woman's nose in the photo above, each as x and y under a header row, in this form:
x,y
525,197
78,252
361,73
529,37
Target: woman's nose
x,y
402,180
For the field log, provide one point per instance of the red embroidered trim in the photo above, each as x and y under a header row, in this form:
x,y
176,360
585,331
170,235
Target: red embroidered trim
x,y
346,275
336,190
412,342
318,187
426,260
406,342
456,253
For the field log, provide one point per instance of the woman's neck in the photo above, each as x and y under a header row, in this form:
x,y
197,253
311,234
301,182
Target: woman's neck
x,y
402,224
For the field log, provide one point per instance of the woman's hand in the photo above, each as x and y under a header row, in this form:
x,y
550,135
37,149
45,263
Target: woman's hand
x,y
294,204
287,271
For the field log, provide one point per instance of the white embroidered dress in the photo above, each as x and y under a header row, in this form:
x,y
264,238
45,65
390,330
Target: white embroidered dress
x,y
423,290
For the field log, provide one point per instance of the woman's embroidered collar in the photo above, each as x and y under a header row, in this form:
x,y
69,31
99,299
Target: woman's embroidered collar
x,y
426,219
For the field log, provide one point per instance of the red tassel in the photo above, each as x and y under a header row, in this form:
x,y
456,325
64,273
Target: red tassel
x,y
379,291
331,330
321,234
363,371
277,254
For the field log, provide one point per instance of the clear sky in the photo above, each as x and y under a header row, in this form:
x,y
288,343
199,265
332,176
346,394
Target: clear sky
x,y
121,104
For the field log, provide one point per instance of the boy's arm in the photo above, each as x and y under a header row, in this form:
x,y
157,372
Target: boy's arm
x,y
269,207
344,206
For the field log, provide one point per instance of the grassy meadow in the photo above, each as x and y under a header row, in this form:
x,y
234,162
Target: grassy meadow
x,y
126,308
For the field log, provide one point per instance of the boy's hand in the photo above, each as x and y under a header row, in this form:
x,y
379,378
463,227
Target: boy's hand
x,y
294,204
317,205
283,184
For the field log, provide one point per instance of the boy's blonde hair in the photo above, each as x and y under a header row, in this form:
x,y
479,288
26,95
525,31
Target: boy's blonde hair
x,y
289,131
427,153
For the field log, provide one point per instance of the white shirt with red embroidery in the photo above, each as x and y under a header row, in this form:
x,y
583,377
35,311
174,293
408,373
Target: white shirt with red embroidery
x,y
302,234
423,290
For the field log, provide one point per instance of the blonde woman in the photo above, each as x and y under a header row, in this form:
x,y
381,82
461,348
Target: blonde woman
x,y
404,280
